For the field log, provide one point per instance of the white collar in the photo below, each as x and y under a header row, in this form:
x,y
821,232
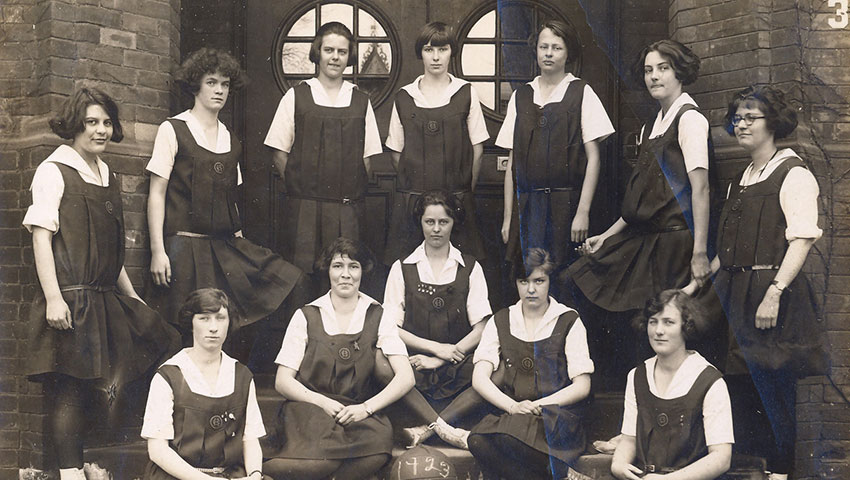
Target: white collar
x,y
557,93
195,379
663,122
194,125
324,302
419,255
66,155
316,84
412,88
554,310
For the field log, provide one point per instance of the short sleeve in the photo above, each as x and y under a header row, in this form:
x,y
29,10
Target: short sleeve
x,y
488,348
395,138
505,138
394,295
477,300
595,124
693,140
388,340
475,121
798,198
164,151
281,134
294,342
630,406
47,190
575,347
159,422
254,427
372,144
717,415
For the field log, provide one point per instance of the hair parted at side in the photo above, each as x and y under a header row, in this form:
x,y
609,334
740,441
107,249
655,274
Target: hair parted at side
x,y
206,300
353,249
693,317
781,116
208,61
454,208
437,34
534,258
71,117
563,30
337,29
685,63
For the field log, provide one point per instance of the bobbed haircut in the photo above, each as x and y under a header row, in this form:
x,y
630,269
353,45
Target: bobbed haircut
x,y
208,61
533,258
343,246
685,63
333,28
780,116
453,207
69,122
692,314
206,300
563,30
437,34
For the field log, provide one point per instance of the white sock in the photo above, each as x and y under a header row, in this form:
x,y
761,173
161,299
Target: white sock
x,y
71,474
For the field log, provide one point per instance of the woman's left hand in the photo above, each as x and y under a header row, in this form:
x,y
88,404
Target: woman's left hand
x,y
351,414
768,310
578,232
700,268
424,362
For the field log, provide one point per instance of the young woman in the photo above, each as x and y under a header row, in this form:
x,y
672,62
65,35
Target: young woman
x,y
767,227
677,418
202,419
322,136
195,230
661,239
536,430
329,424
438,297
553,127
90,333
436,135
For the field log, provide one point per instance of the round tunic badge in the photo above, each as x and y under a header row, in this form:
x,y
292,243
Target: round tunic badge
x,y
345,353
662,420
527,364
433,126
736,205
216,422
541,122
438,303
218,167
109,206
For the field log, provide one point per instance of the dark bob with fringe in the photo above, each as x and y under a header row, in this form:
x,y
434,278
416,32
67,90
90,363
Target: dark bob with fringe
x,y
69,122
563,30
338,29
439,197
780,116
534,258
353,249
685,63
693,318
208,61
437,34
206,300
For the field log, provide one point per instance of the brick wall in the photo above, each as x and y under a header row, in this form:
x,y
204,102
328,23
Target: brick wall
x,y
791,45
51,47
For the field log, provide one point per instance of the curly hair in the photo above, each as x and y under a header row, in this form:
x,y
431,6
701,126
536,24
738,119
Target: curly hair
x,y
437,34
685,63
69,122
689,308
208,61
534,258
335,28
780,116
563,30
206,300
354,249
454,208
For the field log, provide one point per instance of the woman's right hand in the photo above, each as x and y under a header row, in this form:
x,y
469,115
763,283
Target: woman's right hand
x,y
593,244
161,269
526,407
58,314
506,229
625,471
448,352
331,407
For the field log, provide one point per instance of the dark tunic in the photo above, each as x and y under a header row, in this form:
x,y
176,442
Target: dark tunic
x,y
549,163
752,232
437,154
534,370
670,432
207,431
326,179
201,218
339,367
115,338
654,252
438,313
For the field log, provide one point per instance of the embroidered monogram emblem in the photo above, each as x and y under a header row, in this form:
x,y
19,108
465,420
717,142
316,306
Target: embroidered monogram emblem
x,y
542,121
438,303
433,126
109,206
662,420
218,167
345,353
527,364
216,422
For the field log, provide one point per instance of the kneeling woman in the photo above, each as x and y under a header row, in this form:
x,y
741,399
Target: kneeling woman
x,y
543,345
329,425
679,385
202,419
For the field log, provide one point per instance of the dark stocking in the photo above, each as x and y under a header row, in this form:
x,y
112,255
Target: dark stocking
x,y
68,419
361,467
503,456
300,468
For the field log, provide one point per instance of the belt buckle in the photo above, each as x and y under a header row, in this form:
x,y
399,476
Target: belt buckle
x,y
649,469
346,201
547,190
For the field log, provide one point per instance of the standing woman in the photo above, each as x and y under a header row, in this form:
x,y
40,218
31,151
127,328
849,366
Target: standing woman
x,y
90,333
537,430
329,424
438,297
436,135
195,230
767,227
553,128
323,133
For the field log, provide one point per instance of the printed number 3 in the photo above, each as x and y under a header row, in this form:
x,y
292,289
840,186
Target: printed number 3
x,y
840,20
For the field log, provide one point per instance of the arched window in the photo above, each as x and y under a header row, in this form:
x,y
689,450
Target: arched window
x,y
377,46
494,52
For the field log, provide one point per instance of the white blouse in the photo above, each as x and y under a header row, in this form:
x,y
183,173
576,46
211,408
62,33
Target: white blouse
x,y
693,132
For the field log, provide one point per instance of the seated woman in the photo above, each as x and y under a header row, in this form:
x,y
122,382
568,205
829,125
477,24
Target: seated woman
x,y
328,425
675,383
537,429
202,420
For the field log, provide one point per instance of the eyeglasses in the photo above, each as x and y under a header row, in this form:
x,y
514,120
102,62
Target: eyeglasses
x,y
748,119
